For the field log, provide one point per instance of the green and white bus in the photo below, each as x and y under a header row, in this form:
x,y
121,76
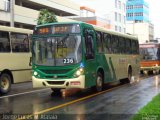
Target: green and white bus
x,y
14,57
79,55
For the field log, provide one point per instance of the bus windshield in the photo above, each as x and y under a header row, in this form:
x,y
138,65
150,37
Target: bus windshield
x,y
151,53
57,50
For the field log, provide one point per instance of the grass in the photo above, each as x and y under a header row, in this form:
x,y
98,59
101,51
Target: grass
x,y
151,111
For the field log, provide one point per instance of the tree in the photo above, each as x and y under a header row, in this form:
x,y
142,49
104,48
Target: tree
x,y
46,17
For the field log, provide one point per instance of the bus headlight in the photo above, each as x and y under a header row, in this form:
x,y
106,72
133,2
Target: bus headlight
x,y
79,72
35,73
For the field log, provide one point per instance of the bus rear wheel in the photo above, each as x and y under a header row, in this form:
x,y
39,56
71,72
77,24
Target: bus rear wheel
x,y
99,82
5,83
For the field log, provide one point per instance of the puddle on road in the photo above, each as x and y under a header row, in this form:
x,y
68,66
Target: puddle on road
x,y
156,81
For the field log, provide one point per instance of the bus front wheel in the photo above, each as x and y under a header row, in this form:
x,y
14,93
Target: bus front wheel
x,y
5,83
99,82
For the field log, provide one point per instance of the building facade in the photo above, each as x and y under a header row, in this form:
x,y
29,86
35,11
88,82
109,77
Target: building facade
x,y
94,20
137,14
23,13
113,11
137,10
117,14
143,30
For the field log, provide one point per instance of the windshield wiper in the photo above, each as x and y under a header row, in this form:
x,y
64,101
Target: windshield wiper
x,y
63,39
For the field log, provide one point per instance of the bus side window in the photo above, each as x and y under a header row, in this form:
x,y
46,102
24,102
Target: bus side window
x,y
128,46
122,45
137,47
108,45
115,43
158,53
89,45
134,47
99,41
20,42
4,42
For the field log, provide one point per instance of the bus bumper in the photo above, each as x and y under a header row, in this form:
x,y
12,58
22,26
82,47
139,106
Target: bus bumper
x,y
78,82
146,70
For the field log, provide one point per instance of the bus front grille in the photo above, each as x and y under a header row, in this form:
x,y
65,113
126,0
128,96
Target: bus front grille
x,y
57,77
56,71
56,82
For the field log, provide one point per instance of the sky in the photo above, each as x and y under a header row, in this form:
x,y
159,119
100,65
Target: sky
x,y
154,11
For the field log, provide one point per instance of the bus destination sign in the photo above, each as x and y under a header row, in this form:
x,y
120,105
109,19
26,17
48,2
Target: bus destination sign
x,y
58,29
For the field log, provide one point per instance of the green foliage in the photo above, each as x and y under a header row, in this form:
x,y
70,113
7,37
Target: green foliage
x,y
46,17
149,112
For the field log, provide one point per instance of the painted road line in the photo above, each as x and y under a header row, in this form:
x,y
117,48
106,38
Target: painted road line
x,y
71,102
13,95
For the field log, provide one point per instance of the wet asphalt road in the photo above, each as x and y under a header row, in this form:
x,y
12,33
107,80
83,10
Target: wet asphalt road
x,y
119,103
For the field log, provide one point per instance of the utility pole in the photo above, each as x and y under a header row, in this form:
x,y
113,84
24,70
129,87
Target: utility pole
x,y
12,3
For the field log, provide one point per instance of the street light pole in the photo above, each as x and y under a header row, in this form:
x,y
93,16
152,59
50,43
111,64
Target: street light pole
x,y
12,3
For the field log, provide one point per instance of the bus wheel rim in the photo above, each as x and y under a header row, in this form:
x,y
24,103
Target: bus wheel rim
x,y
5,83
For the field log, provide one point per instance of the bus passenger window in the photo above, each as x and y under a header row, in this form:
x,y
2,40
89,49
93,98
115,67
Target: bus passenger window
x,y
20,42
108,45
99,41
128,46
135,49
122,45
115,43
89,46
4,42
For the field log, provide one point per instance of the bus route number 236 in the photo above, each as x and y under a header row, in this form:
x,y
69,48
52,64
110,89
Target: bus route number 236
x,y
68,60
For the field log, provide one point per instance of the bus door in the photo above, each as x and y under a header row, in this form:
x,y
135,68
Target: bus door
x,y
90,67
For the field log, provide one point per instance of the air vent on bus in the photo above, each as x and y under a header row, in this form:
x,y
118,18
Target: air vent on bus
x,y
56,82
63,71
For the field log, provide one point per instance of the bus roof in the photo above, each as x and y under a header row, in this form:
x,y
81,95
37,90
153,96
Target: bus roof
x,y
114,32
14,29
95,27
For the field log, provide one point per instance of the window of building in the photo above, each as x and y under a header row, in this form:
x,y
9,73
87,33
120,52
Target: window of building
x,y
115,3
120,29
4,42
124,29
119,4
115,16
124,7
130,7
20,42
129,14
116,28
119,17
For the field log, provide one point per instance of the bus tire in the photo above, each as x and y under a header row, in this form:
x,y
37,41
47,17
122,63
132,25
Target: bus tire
x,y
99,82
56,90
129,74
5,83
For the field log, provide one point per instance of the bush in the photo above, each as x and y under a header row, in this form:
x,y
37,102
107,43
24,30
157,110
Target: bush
x,y
46,17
